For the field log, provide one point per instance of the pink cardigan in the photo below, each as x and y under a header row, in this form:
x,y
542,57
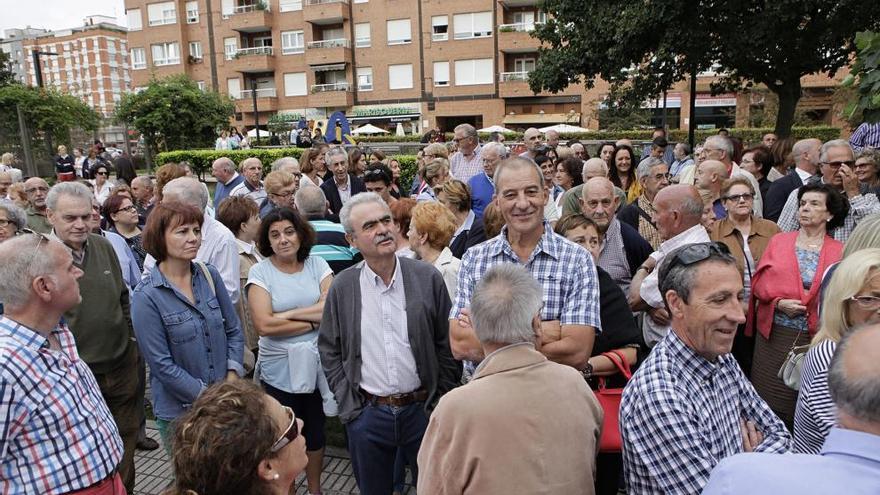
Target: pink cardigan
x,y
778,276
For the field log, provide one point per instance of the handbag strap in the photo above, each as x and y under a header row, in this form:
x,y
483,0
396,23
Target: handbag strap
x,y
205,271
620,362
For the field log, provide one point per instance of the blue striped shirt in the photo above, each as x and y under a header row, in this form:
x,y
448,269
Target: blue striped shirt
x,y
56,433
866,136
815,414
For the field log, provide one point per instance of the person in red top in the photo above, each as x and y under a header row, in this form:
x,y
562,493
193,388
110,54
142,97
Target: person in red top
x,y
785,291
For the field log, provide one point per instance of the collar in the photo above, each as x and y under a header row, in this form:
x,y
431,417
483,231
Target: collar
x,y
251,188
230,181
445,257
376,280
157,278
246,247
763,229
690,236
612,234
54,237
344,186
33,211
548,243
490,179
690,361
473,154
467,224
507,358
852,443
645,204
803,174
24,335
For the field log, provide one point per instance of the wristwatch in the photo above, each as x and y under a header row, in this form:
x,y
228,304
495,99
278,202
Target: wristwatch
x,y
587,371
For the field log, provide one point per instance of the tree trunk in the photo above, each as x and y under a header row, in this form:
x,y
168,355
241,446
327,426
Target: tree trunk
x,y
789,93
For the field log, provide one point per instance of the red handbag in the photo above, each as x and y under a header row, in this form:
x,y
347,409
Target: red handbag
x,y
609,399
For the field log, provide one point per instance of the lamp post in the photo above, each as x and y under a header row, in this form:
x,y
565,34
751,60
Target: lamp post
x,y
38,72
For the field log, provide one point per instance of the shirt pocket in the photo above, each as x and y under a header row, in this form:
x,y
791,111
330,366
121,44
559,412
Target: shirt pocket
x,y
180,326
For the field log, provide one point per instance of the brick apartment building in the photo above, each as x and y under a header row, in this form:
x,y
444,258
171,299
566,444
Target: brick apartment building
x,y
419,63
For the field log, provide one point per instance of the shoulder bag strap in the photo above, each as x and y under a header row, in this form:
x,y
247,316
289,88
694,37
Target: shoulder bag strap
x,y
208,276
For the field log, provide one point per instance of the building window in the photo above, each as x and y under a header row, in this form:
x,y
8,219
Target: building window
x,y
201,85
400,76
166,54
295,84
362,35
524,65
233,88
292,42
399,32
439,28
475,25
470,72
192,12
135,23
290,5
161,13
365,78
230,47
138,58
441,73
195,50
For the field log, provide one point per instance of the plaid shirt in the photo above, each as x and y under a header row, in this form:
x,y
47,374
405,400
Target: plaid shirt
x,y
859,207
680,416
57,434
462,168
646,228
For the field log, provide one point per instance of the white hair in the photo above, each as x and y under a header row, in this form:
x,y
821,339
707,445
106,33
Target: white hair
x,y
357,200
22,259
722,143
505,302
187,190
284,161
834,143
74,189
497,147
311,202
336,150
645,166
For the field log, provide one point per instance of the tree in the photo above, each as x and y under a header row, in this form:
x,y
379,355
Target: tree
x,y
865,78
176,113
7,77
45,110
646,47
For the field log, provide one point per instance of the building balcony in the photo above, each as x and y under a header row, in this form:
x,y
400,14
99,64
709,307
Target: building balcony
x,y
249,60
514,84
322,52
267,100
516,38
508,4
326,11
331,95
252,18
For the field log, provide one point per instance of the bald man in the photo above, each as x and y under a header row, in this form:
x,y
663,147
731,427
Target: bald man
x,y
710,175
594,167
720,148
532,140
679,209
623,249
36,189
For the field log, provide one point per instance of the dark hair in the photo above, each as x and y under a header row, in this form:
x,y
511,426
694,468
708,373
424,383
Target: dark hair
x,y
679,276
401,211
219,443
762,157
377,171
573,221
112,205
236,210
304,232
353,157
604,144
835,203
781,151
166,215
614,175
542,159
574,167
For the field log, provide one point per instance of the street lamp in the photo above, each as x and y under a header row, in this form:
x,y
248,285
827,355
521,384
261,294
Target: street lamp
x,y
38,71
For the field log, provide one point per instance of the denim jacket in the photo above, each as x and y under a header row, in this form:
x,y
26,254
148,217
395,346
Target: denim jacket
x,y
187,346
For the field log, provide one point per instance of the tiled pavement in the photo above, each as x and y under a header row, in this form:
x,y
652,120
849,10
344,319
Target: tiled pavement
x,y
153,471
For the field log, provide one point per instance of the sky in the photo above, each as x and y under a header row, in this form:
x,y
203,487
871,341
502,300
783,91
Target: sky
x,y
56,14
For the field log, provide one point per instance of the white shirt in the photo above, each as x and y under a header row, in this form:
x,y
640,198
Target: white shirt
x,y
220,249
650,290
803,174
388,366
258,194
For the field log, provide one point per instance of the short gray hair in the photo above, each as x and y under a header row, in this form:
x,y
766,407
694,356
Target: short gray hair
x,y
721,143
188,190
148,182
74,189
357,200
679,277
497,147
646,165
15,213
22,260
834,143
225,163
504,304
858,396
516,163
284,161
336,150
311,202
467,129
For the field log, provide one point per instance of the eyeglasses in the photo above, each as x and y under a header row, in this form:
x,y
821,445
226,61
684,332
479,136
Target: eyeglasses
x,y
736,198
6,184
862,165
283,194
289,434
5,223
130,208
41,237
838,164
695,253
868,303
101,173
663,176
32,190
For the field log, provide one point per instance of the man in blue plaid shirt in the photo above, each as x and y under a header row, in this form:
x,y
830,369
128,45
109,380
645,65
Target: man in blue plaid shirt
x,y
570,317
689,405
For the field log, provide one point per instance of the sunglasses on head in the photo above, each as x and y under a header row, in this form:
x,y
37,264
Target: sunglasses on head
x,y
289,434
695,253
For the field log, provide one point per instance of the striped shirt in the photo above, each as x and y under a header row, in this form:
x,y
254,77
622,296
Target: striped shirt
x,y
866,136
815,414
57,434
680,416
463,168
859,207
332,246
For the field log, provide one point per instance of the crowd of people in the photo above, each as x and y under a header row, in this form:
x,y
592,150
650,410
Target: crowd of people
x,y
517,319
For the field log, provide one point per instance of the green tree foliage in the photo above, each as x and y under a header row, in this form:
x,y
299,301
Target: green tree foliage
x,y
646,47
173,113
865,78
7,77
45,110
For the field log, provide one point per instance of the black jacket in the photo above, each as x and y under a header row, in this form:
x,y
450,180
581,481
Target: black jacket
x,y
468,238
332,193
778,194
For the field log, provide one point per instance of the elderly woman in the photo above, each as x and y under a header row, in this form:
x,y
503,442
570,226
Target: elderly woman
x,y
12,220
867,168
434,174
183,317
313,168
759,162
286,293
429,152
430,231
852,299
122,218
280,188
242,217
783,307
357,162
456,196
623,172
237,439
101,184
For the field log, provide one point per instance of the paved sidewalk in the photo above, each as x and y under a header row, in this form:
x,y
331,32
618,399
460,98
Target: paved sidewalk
x,y
153,471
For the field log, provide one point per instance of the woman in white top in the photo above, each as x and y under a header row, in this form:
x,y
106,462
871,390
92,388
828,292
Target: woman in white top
x,y
223,142
101,184
430,231
313,167
435,173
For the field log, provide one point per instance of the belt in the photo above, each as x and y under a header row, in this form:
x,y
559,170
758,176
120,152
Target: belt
x,y
397,400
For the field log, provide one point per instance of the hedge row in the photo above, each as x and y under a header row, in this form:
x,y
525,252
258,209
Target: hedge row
x,y
201,160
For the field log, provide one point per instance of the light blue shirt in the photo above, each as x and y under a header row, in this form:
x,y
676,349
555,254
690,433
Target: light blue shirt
x,y
848,463
130,271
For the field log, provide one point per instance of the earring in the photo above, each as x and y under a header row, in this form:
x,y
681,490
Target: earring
x,y
276,476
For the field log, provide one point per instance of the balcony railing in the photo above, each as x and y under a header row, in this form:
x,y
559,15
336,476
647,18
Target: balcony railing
x,y
320,2
521,27
246,94
514,76
337,43
257,50
241,9
338,86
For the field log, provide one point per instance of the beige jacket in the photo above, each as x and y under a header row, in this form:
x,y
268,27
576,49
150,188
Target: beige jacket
x,y
522,425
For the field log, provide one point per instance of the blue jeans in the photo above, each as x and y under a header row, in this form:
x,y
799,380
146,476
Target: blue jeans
x,y
375,437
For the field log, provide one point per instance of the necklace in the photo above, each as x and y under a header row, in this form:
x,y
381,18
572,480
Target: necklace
x,y
814,243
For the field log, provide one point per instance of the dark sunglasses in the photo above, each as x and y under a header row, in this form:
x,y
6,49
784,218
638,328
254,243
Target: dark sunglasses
x,y
695,253
737,197
101,173
289,434
848,163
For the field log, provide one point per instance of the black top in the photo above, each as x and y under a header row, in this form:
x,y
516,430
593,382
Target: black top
x,y
468,238
778,194
64,164
332,193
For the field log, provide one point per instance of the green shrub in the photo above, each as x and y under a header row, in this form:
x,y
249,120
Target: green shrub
x,y
201,160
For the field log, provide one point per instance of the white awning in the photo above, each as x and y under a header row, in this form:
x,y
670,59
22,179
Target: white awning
x,y
328,67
